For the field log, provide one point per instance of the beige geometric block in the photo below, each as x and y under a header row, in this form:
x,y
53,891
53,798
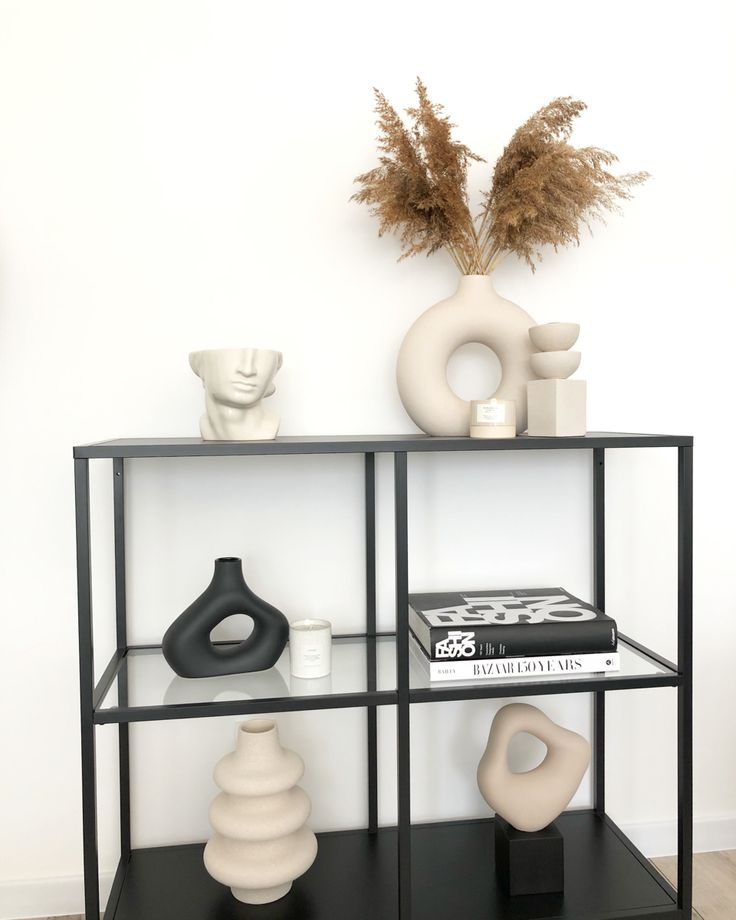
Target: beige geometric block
x,y
556,408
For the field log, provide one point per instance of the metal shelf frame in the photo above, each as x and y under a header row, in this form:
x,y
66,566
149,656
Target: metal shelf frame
x,y
677,675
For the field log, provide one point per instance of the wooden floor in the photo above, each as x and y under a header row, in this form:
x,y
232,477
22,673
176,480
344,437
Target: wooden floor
x,y
714,885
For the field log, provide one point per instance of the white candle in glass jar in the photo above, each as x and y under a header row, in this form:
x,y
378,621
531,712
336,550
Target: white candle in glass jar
x,y
310,646
492,418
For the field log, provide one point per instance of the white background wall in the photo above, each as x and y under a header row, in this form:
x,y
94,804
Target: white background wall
x,y
176,175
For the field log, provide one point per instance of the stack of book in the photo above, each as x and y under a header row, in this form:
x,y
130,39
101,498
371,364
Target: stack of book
x,y
535,632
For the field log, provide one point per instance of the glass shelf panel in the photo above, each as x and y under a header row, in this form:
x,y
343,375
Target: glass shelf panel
x,y
151,682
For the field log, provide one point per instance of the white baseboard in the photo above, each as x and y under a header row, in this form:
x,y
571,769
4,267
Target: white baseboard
x,y
660,838
58,897
47,897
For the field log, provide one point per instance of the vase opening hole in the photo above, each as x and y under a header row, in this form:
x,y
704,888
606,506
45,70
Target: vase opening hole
x,y
474,371
525,752
257,726
228,559
235,628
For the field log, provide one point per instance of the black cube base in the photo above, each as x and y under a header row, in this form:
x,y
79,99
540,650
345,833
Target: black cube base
x,y
529,862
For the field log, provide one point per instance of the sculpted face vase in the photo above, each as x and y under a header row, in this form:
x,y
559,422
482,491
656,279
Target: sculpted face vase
x,y
235,381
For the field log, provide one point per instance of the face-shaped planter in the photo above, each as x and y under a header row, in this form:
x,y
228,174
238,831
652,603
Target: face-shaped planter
x,y
531,801
236,380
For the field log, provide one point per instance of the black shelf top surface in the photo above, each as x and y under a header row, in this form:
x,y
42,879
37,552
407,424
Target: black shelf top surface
x,y
355,878
140,686
378,443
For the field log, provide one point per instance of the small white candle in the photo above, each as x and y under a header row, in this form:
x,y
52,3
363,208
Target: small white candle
x,y
492,418
310,646
310,686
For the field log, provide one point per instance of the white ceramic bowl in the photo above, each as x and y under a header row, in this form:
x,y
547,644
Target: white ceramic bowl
x,y
555,364
554,336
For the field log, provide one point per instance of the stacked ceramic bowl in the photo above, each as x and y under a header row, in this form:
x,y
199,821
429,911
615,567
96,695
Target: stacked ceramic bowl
x,y
554,360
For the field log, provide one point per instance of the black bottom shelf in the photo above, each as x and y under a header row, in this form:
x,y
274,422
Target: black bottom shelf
x,y
354,878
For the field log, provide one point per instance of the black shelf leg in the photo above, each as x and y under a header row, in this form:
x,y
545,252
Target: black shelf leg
x,y
599,594
370,591
118,468
685,690
86,689
402,678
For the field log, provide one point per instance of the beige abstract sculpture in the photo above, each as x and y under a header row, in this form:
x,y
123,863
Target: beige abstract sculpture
x,y
236,380
474,313
557,406
531,801
261,843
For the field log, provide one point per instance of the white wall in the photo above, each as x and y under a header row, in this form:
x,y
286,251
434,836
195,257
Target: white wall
x,y
176,175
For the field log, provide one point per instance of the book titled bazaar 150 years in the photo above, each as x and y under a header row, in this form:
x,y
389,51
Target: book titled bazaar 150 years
x,y
540,666
510,623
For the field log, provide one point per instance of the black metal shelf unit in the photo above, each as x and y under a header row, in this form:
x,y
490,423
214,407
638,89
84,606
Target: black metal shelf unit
x,y
409,872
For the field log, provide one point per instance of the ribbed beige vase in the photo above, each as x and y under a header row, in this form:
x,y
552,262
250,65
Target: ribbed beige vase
x,y
261,843
474,313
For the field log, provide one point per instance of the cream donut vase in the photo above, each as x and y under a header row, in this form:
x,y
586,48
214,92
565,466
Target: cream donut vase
x,y
530,801
474,313
261,843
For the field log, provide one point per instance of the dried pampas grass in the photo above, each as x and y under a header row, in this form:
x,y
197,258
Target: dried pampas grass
x,y
420,187
543,189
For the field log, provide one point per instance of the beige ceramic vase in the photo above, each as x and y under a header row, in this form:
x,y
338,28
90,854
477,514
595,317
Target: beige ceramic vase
x,y
530,801
261,843
474,313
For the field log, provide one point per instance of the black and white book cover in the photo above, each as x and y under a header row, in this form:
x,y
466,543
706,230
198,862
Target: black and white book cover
x,y
546,667
468,625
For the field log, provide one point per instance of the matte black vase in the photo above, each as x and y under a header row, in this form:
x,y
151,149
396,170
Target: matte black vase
x,y
187,645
